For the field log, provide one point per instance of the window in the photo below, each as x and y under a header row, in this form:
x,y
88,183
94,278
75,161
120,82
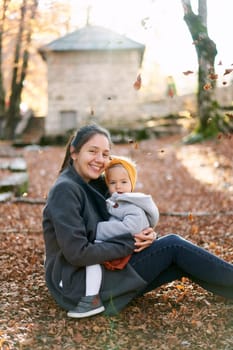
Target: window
x,y
68,120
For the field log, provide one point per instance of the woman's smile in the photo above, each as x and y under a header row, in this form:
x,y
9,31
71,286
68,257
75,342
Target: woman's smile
x,y
97,168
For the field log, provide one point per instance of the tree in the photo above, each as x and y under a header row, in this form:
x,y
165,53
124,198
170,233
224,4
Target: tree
x,y
20,23
24,26
2,90
210,120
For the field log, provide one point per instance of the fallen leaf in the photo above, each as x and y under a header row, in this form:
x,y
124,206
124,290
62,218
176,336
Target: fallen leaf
x,y
137,84
196,323
194,229
180,287
26,320
190,217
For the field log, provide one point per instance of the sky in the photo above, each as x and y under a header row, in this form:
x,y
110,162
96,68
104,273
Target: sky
x,y
169,44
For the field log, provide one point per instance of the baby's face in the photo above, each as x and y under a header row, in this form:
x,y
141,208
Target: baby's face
x,y
118,180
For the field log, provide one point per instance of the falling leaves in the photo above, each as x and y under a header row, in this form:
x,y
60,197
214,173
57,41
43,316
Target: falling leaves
x,y
228,71
230,115
194,227
145,22
207,86
133,143
213,76
138,83
188,72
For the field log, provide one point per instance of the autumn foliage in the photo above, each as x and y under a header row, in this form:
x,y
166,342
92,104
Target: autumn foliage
x,y
193,187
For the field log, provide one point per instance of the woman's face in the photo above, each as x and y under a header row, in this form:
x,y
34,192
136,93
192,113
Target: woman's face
x,y
92,158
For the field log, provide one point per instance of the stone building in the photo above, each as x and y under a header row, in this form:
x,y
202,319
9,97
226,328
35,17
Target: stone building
x,y
91,73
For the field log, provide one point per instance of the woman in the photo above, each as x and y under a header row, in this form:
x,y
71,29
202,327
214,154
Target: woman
x,y
130,212
76,203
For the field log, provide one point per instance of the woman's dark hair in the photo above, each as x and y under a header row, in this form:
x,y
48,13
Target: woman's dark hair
x,y
83,135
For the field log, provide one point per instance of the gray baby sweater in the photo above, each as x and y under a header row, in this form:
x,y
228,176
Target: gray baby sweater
x,y
130,213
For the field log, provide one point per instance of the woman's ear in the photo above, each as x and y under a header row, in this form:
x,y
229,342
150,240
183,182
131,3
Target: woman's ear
x,y
73,153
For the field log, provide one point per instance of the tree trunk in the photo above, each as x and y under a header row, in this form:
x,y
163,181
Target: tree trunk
x,y
206,53
20,69
2,90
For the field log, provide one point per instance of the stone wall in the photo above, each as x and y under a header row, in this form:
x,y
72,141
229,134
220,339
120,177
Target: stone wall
x,y
95,85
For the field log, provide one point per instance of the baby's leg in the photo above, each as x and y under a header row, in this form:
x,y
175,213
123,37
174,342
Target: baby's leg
x,y
90,304
93,279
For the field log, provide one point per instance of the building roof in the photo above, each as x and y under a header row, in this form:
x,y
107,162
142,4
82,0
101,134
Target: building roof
x,y
92,38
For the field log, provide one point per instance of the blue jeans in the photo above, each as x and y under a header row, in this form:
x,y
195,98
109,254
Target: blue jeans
x,y
172,257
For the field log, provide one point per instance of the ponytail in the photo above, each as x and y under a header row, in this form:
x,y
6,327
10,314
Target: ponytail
x,y
67,157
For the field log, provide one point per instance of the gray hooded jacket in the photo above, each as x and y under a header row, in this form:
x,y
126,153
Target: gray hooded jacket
x,y
130,213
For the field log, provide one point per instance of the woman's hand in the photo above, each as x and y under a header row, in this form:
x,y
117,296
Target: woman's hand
x,y
144,239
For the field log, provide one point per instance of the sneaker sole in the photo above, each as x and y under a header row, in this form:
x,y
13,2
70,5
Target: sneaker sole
x,y
74,314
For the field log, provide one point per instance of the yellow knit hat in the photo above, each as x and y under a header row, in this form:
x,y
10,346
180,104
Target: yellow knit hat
x,y
129,166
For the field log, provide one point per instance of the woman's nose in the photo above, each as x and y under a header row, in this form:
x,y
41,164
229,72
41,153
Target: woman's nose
x,y
100,157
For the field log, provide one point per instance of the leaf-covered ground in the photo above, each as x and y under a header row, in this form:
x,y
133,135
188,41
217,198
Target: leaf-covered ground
x,y
193,187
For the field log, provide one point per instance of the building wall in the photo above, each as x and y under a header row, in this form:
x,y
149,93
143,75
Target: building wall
x,y
184,103
98,86
85,86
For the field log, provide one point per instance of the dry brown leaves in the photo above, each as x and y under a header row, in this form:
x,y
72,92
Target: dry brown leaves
x,y
180,315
